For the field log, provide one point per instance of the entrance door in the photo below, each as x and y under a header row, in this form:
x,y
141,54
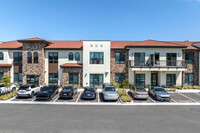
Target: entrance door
x,y
154,77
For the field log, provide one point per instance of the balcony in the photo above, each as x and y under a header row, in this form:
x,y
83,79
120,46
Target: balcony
x,y
159,65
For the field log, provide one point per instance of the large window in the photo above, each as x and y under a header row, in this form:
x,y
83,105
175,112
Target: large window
x,y
35,57
77,56
73,78
171,59
189,58
96,57
1,75
96,79
32,79
119,77
120,58
189,79
17,57
53,57
1,55
71,56
171,80
18,78
139,59
29,57
53,78
140,79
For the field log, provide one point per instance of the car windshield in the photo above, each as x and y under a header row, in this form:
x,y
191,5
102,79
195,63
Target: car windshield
x,y
23,87
140,90
91,90
67,89
109,89
159,89
47,89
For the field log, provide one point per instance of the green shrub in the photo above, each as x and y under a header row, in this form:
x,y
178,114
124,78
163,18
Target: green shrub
x,y
189,87
177,86
121,92
196,87
8,95
163,86
124,96
125,84
185,87
116,85
147,86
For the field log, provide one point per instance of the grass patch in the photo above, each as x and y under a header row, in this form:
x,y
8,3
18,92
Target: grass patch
x,y
124,96
8,95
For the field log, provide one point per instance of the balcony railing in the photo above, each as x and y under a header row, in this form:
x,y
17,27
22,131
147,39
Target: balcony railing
x,y
159,63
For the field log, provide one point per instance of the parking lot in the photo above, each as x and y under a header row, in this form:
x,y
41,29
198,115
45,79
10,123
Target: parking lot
x,y
175,98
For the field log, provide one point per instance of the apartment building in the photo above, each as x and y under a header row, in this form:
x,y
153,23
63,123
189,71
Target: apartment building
x,y
94,62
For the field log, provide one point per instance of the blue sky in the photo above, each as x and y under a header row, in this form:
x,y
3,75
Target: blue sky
x,y
170,20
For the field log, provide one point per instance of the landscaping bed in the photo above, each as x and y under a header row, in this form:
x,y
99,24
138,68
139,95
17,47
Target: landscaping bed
x,y
8,95
124,96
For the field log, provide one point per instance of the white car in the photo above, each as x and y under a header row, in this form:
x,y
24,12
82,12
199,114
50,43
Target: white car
x,y
109,92
28,90
4,89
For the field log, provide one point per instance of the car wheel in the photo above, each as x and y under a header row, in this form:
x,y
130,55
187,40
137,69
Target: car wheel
x,y
32,94
13,89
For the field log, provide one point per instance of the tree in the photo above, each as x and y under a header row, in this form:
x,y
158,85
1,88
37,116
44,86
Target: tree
x,y
6,81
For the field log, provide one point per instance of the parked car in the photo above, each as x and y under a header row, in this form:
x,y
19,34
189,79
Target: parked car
x,y
160,94
109,92
68,92
139,93
47,93
28,90
89,93
4,89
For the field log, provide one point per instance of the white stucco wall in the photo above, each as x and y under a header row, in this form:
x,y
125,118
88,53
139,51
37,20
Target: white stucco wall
x,y
62,59
96,46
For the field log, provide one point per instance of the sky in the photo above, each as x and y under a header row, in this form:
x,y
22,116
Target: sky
x,y
137,20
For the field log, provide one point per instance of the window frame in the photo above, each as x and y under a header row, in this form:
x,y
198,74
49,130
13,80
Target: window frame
x,y
35,77
71,56
77,56
141,82
16,57
121,77
55,80
35,58
92,84
54,59
189,81
29,57
171,83
18,81
120,60
1,56
188,55
99,59
73,82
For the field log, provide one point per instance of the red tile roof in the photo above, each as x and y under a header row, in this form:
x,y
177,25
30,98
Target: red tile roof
x,y
65,45
32,39
71,65
5,65
11,45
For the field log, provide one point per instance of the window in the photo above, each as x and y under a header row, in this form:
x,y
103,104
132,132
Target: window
x,y
35,57
73,78
120,58
140,79
18,78
53,57
96,79
77,56
17,57
189,79
1,75
71,56
32,79
189,58
119,77
96,57
29,57
171,59
53,78
1,55
139,59
171,80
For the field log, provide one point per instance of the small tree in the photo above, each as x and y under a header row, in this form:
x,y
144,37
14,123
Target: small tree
x,y
125,84
6,81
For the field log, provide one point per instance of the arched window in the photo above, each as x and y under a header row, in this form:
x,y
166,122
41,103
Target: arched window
x,y
77,56
1,55
29,57
71,56
35,57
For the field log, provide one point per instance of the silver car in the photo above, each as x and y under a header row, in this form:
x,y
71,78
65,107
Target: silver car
x,y
160,94
110,93
139,93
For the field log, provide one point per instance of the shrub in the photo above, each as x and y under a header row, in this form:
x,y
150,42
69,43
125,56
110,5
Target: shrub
x,y
125,84
121,92
116,85
124,96
163,86
185,87
147,86
6,81
8,95
177,86
189,87
196,87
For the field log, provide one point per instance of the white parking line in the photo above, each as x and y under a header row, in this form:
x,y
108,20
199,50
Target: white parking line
x,y
12,98
187,97
33,99
151,99
78,97
197,94
173,100
56,99
98,97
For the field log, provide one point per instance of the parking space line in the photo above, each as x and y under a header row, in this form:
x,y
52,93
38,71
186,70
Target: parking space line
x,y
173,100
56,99
197,94
98,97
12,98
33,99
152,99
187,97
78,97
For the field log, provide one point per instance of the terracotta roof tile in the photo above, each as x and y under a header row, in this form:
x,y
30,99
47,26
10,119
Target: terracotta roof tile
x,y
71,65
65,45
5,65
11,45
32,39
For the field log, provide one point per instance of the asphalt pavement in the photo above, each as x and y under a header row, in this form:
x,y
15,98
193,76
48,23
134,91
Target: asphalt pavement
x,y
16,118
